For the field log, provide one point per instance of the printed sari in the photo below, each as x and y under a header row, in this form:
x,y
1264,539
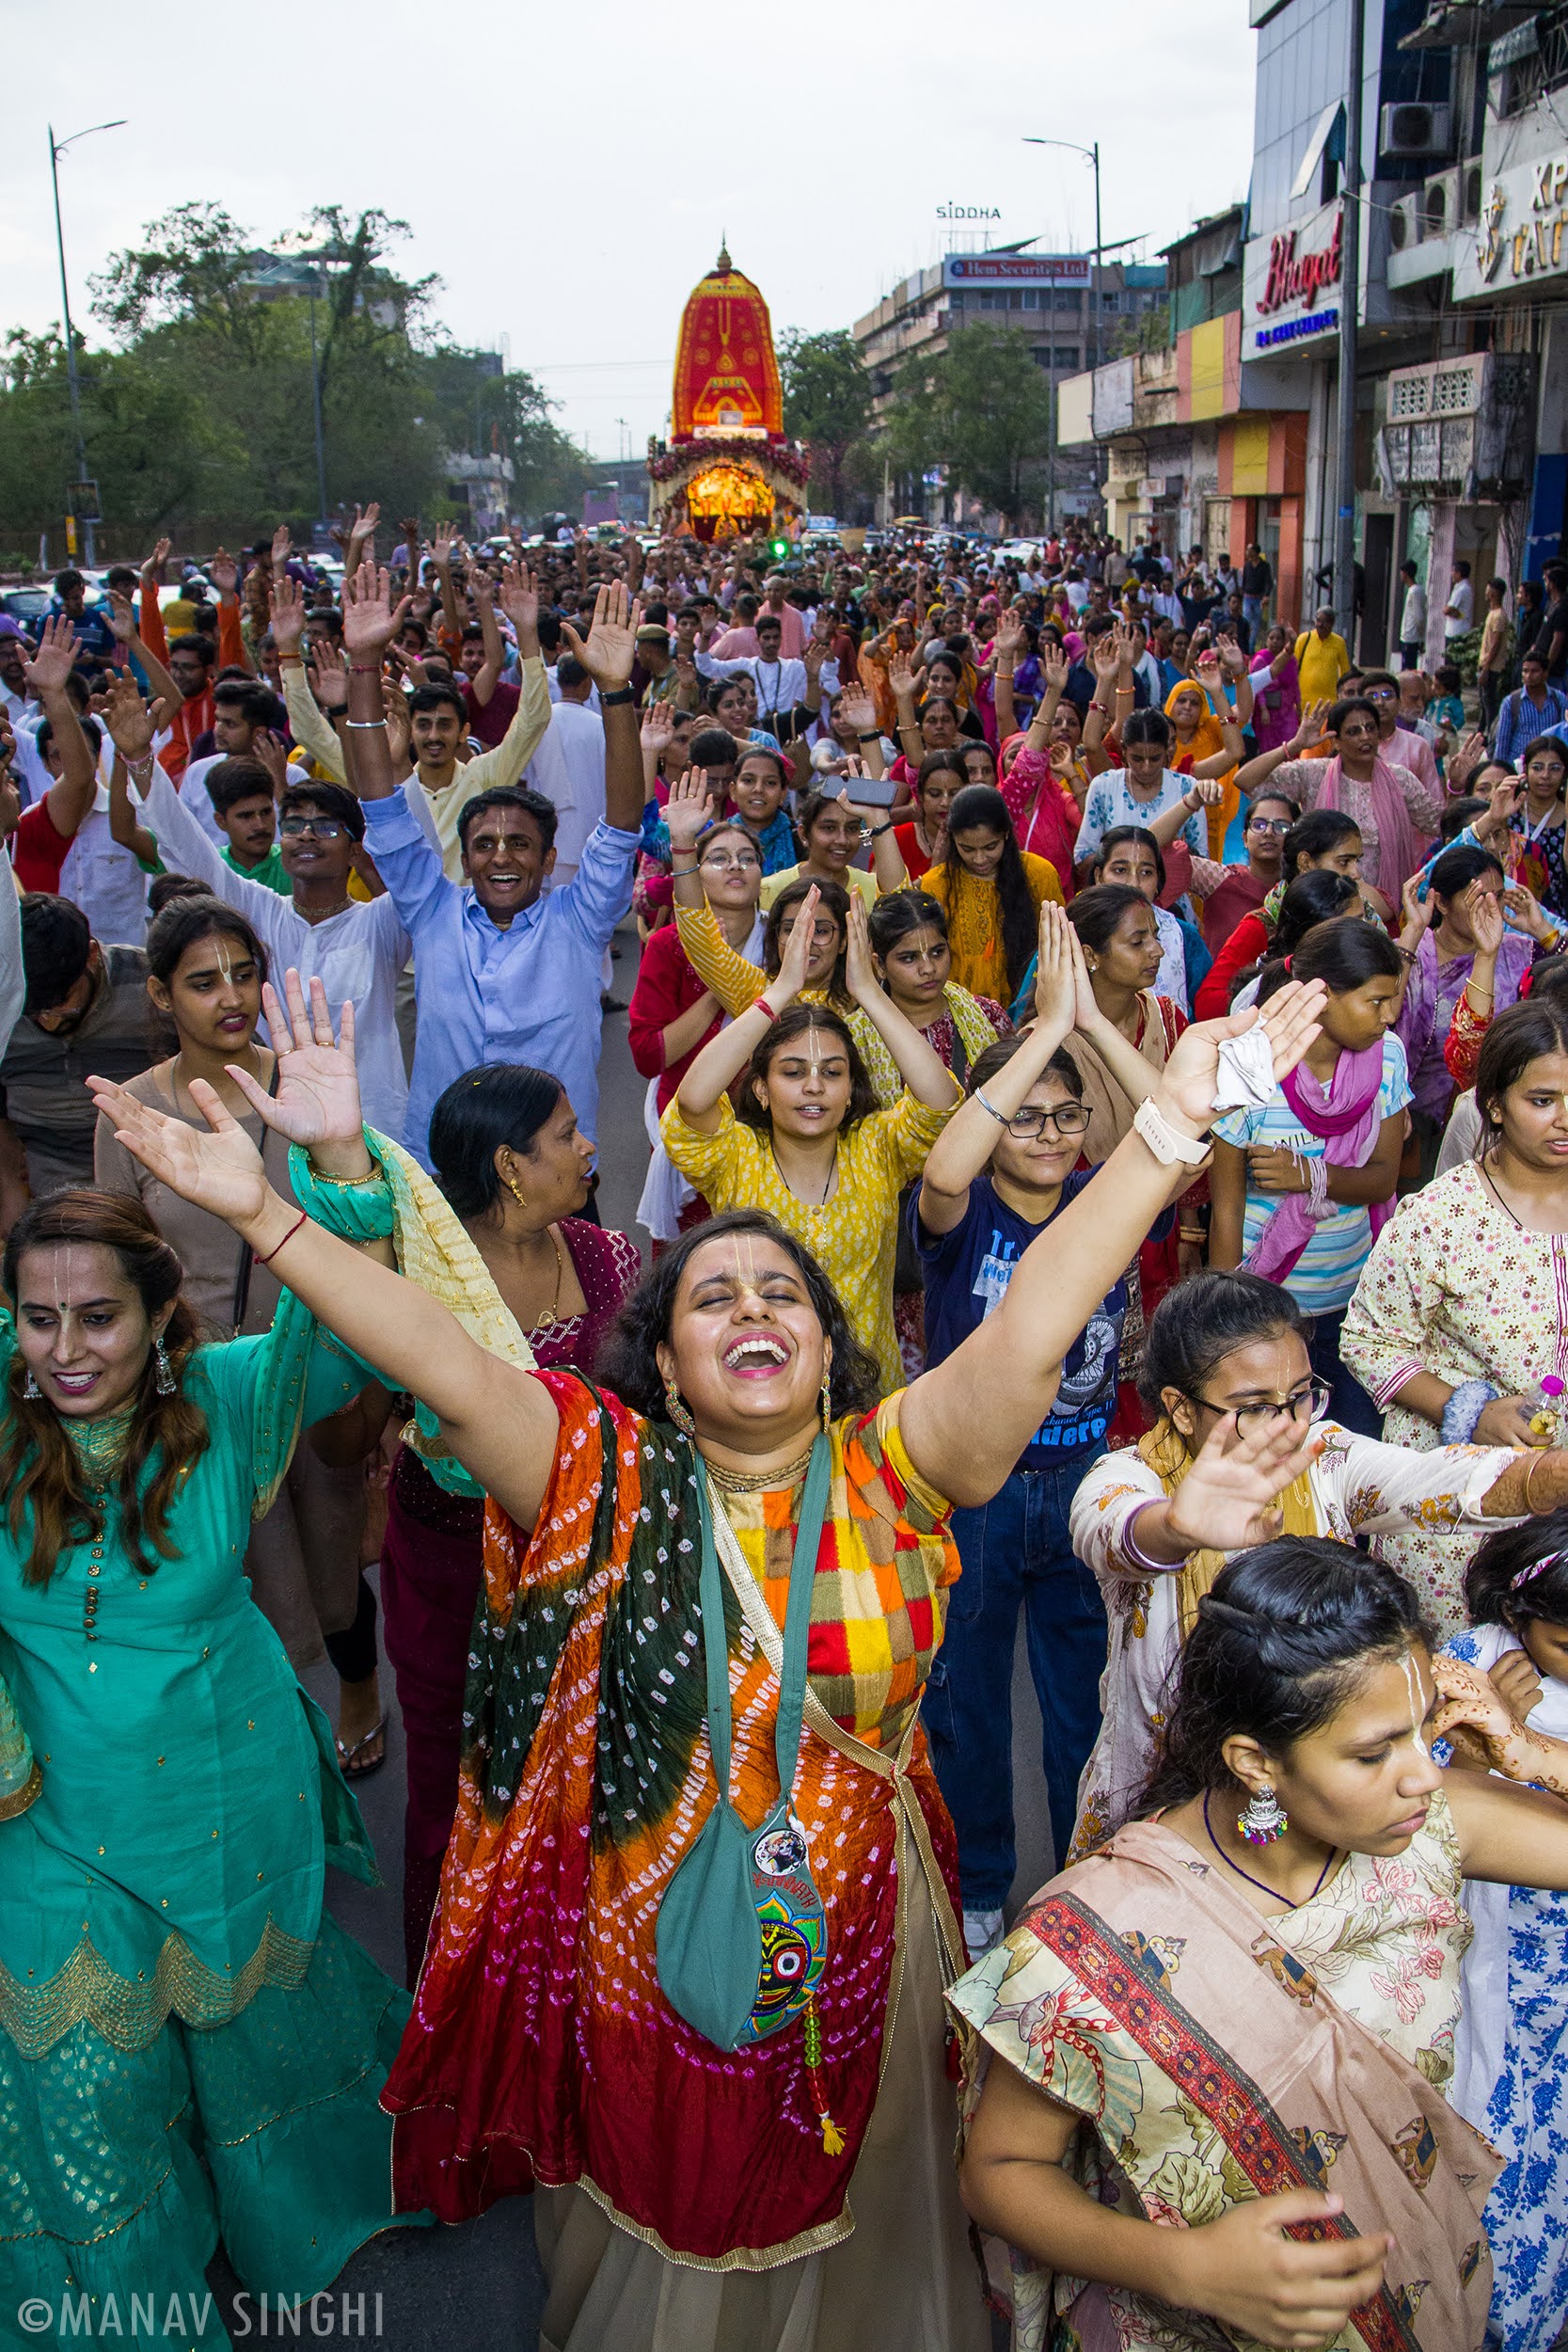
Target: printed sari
x,y
1216,2055
541,2048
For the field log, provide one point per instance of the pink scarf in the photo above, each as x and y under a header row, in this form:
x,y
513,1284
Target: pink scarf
x,y
1349,1121
1399,845
1045,815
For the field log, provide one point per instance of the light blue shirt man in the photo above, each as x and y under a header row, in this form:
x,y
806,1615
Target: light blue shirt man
x,y
525,994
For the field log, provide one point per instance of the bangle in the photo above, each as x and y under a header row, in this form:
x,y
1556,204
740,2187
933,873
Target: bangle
x,y
287,660
760,1004
303,1219
364,723
1463,1410
875,737
1191,1233
377,1175
1003,1119
1536,1460
875,830
1129,1544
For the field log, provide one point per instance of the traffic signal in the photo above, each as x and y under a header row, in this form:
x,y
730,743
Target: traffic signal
x,y
778,550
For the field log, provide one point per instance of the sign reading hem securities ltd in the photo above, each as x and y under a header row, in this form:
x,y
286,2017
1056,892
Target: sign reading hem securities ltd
x,y
1522,233
1016,269
1290,282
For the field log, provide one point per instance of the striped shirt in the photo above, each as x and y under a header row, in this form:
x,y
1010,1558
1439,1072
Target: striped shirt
x,y
1328,1269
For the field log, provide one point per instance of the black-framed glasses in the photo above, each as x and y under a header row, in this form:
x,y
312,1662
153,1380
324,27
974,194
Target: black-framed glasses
x,y
1070,1119
1308,1403
1270,825
320,827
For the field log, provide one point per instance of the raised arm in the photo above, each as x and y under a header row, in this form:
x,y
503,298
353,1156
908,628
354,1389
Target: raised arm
x,y
606,653
498,1422
370,620
487,676
963,1149
71,795
310,730
150,616
920,1065
966,1422
1256,772
122,622
1202,793
723,1058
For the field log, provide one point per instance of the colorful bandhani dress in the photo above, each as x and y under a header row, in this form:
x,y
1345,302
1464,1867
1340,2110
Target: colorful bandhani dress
x,y
190,2048
1456,1287
1216,2055
695,2204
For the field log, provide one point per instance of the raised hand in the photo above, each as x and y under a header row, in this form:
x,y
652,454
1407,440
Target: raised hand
x,y
656,731
288,612
442,545
1471,1704
905,680
122,618
1523,910
1210,675
224,573
131,724
1314,718
282,546
400,729
52,664
220,1172
1486,918
1056,667
791,977
268,748
153,566
1105,657
860,973
1010,639
317,1102
330,676
1291,1020
689,811
363,524
858,710
1057,975
371,619
1227,1501
609,650
1416,903
1208,791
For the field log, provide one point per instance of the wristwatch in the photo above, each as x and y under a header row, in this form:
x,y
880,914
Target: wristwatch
x,y
621,694
1164,1141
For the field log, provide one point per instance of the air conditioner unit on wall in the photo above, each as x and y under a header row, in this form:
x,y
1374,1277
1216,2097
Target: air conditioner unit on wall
x,y
1462,426
1404,221
1440,203
1412,127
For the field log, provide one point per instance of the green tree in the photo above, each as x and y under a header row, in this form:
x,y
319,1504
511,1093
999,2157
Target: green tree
x,y
981,407
827,404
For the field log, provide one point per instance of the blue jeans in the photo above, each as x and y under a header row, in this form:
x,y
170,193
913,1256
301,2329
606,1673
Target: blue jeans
x,y
1349,1404
1016,1551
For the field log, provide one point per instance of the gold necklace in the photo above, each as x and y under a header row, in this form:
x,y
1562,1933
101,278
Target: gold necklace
x,y
731,1482
550,1318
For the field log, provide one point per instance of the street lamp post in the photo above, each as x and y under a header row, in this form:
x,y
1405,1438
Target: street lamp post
x,y
1091,155
1350,305
56,149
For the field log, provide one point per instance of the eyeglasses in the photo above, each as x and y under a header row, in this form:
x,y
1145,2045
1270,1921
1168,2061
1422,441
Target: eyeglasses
x,y
1305,1405
725,864
1070,1119
1270,825
318,828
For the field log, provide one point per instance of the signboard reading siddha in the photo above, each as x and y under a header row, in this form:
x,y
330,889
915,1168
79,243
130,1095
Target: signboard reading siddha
x,y
1016,269
1520,235
968,212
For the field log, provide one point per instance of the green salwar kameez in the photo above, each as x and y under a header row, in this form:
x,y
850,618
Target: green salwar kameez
x,y
190,2049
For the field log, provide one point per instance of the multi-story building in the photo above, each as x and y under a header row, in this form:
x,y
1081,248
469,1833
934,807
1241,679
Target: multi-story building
x,y
1050,297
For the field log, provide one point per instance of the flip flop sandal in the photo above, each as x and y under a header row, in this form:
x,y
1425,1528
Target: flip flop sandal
x,y
347,1763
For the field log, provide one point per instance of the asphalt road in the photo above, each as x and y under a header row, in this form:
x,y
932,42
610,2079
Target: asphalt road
x,y
481,2286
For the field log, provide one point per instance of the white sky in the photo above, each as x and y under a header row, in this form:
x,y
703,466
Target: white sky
x,y
568,172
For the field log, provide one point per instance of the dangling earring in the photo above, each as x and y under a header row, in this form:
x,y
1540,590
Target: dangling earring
x,y
826,1395
30,1389
166,1382
513,1187
1263,1819
677,1407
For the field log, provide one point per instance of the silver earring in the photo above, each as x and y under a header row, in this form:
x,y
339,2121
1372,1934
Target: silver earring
x,y
1264,1819
166,1382
30,1389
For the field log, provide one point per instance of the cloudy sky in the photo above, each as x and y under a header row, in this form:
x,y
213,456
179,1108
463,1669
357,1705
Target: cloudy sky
x,y
567,173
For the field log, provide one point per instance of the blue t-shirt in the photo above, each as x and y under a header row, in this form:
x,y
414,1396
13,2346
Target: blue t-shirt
x,y
966,1272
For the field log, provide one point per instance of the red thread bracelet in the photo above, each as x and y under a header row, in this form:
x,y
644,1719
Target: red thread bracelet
x,y
303,1219
760,1004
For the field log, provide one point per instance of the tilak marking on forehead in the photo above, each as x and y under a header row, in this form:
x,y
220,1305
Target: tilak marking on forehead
x,y
1417,1701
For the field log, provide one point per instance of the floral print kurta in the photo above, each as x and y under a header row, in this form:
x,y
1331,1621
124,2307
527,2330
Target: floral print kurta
x,y
1453,1287
1359,1487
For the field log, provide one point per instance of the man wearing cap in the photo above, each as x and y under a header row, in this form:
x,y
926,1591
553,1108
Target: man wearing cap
x,y
653,671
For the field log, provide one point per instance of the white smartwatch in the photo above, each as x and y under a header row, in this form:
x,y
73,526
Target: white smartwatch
x,y
1164,1140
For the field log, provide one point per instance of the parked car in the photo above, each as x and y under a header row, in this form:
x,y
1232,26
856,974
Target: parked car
x,y
26,607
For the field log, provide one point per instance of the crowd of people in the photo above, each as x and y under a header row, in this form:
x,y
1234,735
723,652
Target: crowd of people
x,y
1105,1166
